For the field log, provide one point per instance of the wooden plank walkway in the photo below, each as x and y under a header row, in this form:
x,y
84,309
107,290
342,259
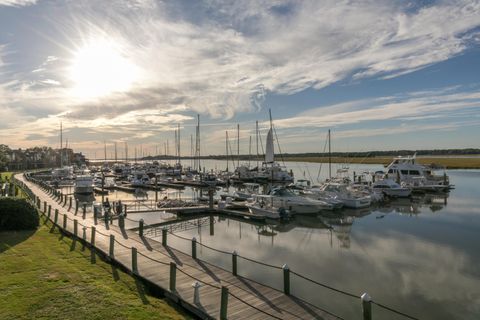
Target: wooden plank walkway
x,y
247,299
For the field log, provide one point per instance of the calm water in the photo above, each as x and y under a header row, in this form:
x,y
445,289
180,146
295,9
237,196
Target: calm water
x,y
420,256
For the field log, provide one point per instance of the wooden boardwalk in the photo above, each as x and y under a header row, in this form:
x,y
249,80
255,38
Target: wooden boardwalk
x,y
247,299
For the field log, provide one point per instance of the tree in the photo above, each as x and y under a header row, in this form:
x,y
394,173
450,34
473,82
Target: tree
x,y
4,150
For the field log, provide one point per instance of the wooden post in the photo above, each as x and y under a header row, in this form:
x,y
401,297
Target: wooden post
x,y
111,252
366,306
75,227
55,219
194,248
134,261
70,204
76,206
164,237
234,263
84,211
173,276
224,303
92,237
49,210
140,227
44,206
212,228
286,279
125,210
64,221
84,234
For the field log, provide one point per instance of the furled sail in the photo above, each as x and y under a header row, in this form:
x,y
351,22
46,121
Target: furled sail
x,y
269,148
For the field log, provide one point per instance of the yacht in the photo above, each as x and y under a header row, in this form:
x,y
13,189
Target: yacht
x,y
248,191
391,188
420,177
267,209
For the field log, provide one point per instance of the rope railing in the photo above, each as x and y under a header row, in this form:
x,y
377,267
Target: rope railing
x,y
326,286
394,311
153,259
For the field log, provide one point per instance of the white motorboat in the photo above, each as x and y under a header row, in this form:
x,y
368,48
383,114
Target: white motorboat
x,y
83,184
391,188
267,210
408,170
349,198
282,197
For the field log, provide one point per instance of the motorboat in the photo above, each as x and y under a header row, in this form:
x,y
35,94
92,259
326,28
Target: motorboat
x,y
83,184
350,198
391,188
409,171
267,209
282,197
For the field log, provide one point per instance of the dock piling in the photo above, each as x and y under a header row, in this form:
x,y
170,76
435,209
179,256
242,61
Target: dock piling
x,y
224,303
173,276
286,279
134,261
140,227
111,250
194,248
164,237
234,263
366,306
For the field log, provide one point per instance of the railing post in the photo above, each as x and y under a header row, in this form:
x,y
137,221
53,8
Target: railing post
x,y
134,261
49,210
140,227
65,221
194,248
164,236
75,227
55,219
366,306
224,303
234,263
286,279
111,252
196,292
84,211
70,203
92,237
173,276
84,234
44,206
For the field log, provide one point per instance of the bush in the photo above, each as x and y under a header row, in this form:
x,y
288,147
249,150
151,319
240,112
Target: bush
x,y
17,214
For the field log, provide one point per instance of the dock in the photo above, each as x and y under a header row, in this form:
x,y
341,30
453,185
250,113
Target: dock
x,y
208,291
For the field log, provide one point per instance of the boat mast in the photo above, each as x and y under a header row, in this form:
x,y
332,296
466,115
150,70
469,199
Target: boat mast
x,y
249,151
329,157
126,152
226,146
116,152
105,149
256,134
178,146
197,145
238,145
61,145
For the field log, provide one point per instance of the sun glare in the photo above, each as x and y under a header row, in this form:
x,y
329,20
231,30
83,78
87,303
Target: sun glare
x,y
99,69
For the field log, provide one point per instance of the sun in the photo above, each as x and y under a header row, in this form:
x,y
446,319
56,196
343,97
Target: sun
x,y
99,68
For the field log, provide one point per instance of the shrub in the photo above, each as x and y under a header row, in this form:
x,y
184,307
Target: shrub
x,y
17,214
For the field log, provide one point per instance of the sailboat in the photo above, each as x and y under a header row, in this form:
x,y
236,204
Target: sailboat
x,y
272,170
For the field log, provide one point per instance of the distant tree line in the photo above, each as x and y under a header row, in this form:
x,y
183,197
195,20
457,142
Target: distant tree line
x,y
365,154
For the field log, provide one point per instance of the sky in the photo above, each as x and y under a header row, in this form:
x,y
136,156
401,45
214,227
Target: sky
x,y
380,74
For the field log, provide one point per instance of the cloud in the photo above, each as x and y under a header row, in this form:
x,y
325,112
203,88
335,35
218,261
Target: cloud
x,y
17,3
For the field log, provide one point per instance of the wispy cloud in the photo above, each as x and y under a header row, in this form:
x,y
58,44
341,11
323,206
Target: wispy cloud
x,y
17,3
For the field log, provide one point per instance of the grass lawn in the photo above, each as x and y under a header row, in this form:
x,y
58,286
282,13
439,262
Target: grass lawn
x,y
4,175
47,276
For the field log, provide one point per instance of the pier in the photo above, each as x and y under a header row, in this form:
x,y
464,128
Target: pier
x,y
208,291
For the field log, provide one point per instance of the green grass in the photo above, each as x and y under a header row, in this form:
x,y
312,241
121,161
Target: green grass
x,y
4,175
44,275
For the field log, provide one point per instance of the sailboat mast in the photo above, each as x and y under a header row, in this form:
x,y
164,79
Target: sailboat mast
x,y
226,146
178,137
105,149
256,133
238,145
329,157
61,145
126,152
116,152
